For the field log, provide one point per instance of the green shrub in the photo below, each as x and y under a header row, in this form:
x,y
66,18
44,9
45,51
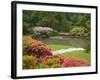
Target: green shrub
x,y
34,36
54,61
40,65
29,62
27,40
77,31
54,33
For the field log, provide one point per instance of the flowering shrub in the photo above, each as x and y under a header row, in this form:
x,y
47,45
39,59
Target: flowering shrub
x,y
27,40
39,49
40,31
39,55
29,62
53,61
36,48
73,62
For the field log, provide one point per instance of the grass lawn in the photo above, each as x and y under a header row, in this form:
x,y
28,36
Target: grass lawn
x,y
79,54
58,47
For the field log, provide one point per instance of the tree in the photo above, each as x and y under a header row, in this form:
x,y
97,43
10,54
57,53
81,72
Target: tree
x,y
60,21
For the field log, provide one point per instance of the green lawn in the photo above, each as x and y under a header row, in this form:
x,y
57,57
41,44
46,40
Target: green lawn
x,y
58,47
79,54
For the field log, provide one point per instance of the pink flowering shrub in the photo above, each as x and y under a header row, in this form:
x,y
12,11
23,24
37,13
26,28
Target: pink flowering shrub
x,y
40,30
74,62
36,48
40,51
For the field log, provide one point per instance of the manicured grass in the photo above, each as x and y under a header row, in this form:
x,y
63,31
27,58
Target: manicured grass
x,y
58,47
79,54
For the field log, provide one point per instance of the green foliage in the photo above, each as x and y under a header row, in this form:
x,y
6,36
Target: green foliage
x,y
54,33
60,21
77,31
34,36
29,62
40,65
79,54
26,28
53,61
27,40
87,47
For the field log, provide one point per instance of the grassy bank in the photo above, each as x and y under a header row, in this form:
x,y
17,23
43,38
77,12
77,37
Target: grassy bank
x,y
78,54
58,47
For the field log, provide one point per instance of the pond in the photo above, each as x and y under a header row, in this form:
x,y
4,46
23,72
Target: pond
x,y
70,41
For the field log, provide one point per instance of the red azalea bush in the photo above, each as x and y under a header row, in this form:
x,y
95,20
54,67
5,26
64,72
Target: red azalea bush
x,y
36,48
74,62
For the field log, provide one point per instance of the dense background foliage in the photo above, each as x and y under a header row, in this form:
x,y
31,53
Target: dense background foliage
x,y
60,21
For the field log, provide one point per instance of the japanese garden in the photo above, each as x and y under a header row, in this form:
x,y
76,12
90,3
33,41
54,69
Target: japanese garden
x,y
56,39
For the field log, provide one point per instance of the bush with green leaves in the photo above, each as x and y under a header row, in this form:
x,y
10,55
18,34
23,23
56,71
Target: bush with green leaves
x,y
29,62
54,33
78,31
27,40
53,61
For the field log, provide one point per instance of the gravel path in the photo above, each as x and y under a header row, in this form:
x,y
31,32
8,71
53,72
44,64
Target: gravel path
x,y
61,51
